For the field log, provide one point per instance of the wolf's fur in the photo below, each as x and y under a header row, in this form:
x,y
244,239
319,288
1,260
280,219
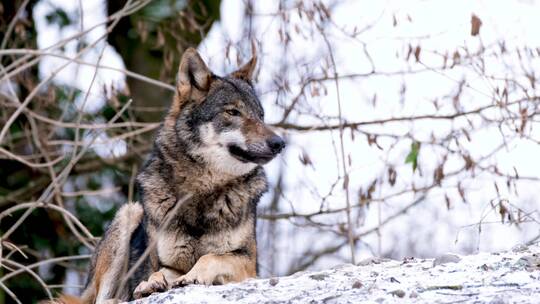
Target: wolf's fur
x,y
199,191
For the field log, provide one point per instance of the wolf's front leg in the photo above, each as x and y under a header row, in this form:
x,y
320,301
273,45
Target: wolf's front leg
x,y
216,269
157,282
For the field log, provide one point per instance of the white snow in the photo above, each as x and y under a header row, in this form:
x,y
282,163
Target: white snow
x,y
506,277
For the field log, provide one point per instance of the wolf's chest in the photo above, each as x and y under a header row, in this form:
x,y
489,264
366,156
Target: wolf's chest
x,y
181,251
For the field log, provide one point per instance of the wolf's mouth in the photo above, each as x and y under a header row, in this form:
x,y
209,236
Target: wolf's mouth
x,y
247,156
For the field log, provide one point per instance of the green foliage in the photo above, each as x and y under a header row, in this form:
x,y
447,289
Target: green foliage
x,y
152,40
59,17
93,218
412,157
159,10
15,130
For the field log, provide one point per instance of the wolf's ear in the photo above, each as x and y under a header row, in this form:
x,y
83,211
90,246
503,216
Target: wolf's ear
x,y
193,71
246,71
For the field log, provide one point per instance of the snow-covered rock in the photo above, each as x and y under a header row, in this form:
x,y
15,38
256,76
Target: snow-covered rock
x,y
506,277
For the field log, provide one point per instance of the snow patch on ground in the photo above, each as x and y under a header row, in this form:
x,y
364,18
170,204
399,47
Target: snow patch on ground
x,y
505,277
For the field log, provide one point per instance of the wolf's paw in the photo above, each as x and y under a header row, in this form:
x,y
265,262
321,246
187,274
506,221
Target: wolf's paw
x,y
186,280
156,283
195,278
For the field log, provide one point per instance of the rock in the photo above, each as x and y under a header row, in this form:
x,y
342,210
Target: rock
x,y
498,300
318,276
357,284
466,281
438,287
394,280
398,293
372,260
446,258
520,248
485,267
273,281
407,260
529,262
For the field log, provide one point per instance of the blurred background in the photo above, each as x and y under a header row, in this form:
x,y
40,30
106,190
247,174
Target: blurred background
x,y
412,126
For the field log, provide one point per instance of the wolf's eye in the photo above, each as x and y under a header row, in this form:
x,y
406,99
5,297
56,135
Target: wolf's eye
x,y
233,112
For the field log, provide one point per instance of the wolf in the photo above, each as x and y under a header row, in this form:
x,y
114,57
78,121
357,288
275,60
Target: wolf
x,y
196,219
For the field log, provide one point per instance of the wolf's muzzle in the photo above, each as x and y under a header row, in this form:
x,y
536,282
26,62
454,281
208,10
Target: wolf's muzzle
x,y
276,144
259,153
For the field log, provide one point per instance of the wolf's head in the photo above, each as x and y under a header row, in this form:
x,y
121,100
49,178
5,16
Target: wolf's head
x,y
220,120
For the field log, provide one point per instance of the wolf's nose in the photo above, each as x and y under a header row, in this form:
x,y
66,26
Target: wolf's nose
x,y
276,144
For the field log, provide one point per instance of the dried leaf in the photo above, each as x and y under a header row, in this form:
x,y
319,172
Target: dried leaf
x,y
461,192
502,211
469,163
346,181
409,52
305,159
438,175
524,117
532,79
476,23
417,53
371,189
392,175
456,58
